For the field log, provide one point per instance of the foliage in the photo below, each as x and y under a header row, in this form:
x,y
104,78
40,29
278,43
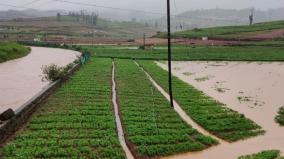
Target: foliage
x,y
150,123
280,117
75,122
207,112
271,154
53,72
9,51
200,53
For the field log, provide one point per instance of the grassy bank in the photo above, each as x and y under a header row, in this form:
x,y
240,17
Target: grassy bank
x,y
9,51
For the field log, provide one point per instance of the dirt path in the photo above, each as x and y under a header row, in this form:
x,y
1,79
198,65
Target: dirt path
x,y
20,79
117,118
253,89
180,111
278,33
160,41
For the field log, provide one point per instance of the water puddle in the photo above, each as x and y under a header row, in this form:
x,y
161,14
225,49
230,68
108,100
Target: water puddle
x,y
117,117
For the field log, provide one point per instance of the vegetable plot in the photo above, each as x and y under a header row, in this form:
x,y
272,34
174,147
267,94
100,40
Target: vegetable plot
x,y
210,114
151,125
76,122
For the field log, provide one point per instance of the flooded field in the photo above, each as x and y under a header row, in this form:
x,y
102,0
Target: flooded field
x,y
21,79
254,89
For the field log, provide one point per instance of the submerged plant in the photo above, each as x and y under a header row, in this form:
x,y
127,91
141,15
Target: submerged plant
x,y
280,117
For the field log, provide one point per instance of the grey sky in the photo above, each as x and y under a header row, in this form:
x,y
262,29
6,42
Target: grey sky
x,y
151,5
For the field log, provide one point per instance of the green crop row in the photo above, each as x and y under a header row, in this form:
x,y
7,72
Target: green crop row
x,y
75,122
270,154
151,125
200,53
207,112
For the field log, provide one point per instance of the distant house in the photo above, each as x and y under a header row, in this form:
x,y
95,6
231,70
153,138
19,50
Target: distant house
x,y
37,39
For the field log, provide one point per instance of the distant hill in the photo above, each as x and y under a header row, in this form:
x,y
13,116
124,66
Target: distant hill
x,y
29,13
217,17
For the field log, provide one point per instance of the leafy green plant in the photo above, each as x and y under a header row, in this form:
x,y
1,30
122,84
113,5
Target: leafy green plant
x,y
207,112
77,121
150,123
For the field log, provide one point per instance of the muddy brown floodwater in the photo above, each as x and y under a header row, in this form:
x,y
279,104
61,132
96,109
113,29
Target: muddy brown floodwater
x,y
251,88
20,79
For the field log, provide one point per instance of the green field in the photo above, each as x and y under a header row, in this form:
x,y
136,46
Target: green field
x,y
227,32
270,154
151,125
9,51
207,112
203,53
76,122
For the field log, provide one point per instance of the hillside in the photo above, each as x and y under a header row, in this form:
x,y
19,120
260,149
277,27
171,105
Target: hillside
x,y
68,27
255,31
204,18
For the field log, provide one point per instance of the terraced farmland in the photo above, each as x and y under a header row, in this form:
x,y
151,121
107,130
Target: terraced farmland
x,y
76,122
152,127
210,114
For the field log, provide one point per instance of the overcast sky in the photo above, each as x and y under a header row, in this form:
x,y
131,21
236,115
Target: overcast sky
x,y
148,5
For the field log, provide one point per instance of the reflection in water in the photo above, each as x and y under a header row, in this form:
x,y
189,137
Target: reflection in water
x,y
20,79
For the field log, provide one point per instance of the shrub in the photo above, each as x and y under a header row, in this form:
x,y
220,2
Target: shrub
x,y
53,72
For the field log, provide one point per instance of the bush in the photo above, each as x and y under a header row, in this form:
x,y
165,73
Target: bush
x,y
53,72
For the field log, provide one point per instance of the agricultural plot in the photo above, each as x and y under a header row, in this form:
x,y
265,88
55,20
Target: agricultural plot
x,y
271,154
76,122
199,53
151,126
210,114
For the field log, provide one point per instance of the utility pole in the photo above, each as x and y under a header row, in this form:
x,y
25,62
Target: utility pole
x,y
144,41
169,52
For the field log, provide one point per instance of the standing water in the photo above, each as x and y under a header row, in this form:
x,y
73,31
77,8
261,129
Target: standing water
x,y
21,79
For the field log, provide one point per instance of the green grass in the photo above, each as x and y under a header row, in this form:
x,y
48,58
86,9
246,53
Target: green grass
x,y
203,53
229,32
280,116
151,125
76,122
271,154
9,51
210,114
